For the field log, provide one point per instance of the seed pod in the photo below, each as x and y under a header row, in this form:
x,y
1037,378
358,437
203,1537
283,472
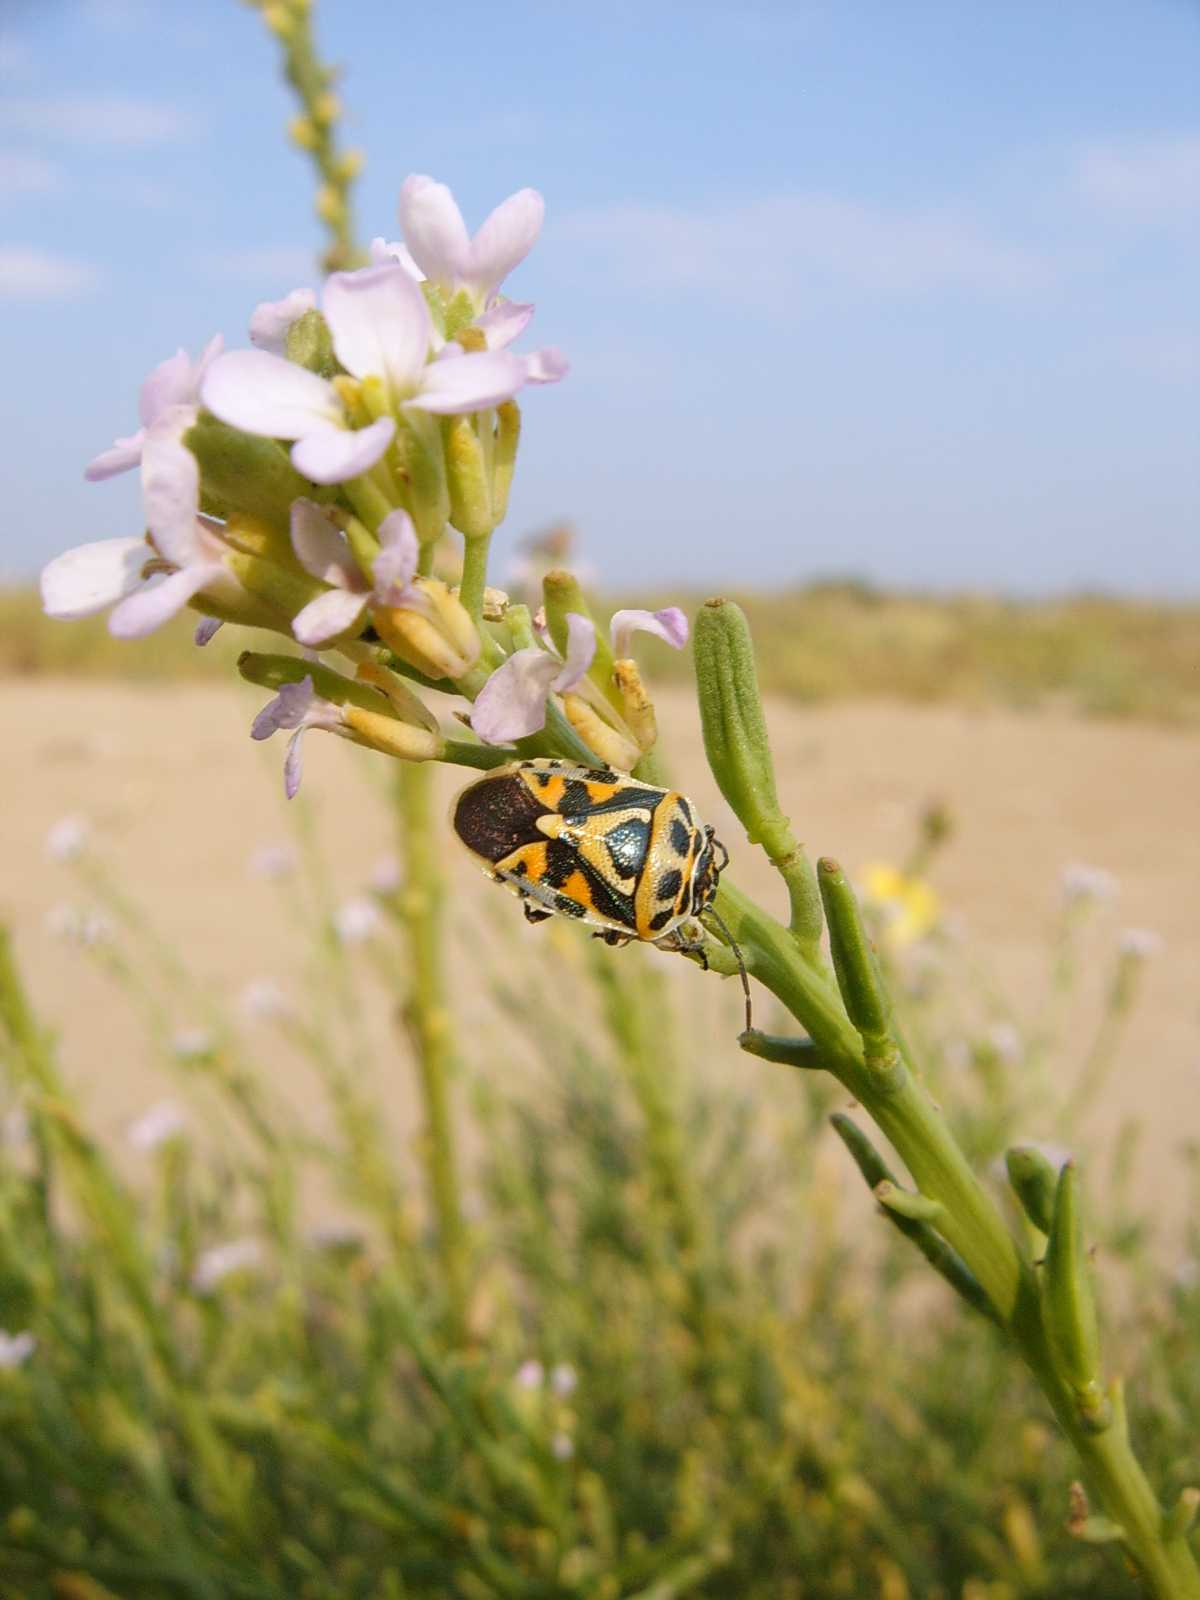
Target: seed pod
x,y
1034,1180
854,964
1070,1306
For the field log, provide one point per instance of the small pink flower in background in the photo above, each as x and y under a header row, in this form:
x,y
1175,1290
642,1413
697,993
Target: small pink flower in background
x,y
193,1044
357,920
562,1446
1081,882
164,1121
1141,943
68,837
299,707
381,328
563,1380
273,861
264,1000
530,1375
386,876
174,382
223,1260
323,552
440,246
271,320
15,1348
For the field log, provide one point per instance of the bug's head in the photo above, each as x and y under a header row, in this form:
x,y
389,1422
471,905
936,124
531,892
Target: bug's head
x,y
710,864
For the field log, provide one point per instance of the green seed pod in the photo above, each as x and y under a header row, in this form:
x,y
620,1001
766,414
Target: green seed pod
x,y
1070,1306
1034,1180
735,730
239,472
854,964
309,344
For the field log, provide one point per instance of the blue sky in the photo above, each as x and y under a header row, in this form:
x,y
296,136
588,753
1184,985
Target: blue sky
x,y
906,291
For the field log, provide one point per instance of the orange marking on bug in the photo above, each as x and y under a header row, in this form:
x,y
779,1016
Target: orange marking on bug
x,y
579,890
531,856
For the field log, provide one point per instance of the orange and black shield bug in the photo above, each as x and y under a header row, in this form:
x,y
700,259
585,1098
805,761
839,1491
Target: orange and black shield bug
x,y
626,858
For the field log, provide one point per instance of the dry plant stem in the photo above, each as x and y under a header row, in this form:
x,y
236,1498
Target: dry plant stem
x,y
972,1225
427,1019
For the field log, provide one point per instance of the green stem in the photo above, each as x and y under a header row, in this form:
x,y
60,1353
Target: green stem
x,y
428,1020
974,1227
474,576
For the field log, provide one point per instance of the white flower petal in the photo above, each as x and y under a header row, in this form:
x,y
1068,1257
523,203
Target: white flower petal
x,y
322,550
581,650
380,324
383,252
329,614
504,321
512,703
92,576
505,239
262,393
546,366
167,385
271,319
293,764
150,607
469,382
121,455
670,625
331,455
171,486
434,230
396,563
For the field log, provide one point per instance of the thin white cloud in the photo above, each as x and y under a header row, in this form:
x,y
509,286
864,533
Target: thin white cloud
x,y
779,244
27,273
21,173
1148,180
110,119
269,266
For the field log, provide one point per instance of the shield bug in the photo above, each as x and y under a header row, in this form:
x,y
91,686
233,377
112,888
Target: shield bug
x,y
623,857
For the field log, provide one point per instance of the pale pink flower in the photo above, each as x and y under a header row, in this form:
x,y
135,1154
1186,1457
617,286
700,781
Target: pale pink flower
x,y
223,1260
16,1348
381,328
163,1122
324,552
297,706
441,247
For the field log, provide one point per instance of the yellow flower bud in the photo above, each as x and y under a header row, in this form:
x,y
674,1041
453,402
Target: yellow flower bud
x,y
636,703
329,204
393,738
441,643
303,133
600,736
326,107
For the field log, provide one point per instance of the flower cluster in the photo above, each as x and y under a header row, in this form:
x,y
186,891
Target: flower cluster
x,y
306,486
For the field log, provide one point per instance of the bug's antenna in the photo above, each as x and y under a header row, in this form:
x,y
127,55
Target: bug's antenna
x,y
741,961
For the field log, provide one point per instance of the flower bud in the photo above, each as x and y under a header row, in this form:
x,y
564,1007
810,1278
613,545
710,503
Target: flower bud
x,y
326,107
1034,1180
329,205
504,455
605,741
241,472
349,165
1070,1306
468,478
310,344
441,642
392,737
303,133
637,707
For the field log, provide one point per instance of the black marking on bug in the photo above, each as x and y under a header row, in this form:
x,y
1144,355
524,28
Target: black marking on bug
x,y
561,861
660,918
569,907
669,885
494,818
681,837
627,844
576,802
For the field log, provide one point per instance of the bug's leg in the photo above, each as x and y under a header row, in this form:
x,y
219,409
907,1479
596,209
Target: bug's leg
x,y
612,938
534,913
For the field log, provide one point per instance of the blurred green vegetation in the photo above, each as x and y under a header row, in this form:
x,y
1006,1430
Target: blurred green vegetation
x,y
1097,655
697,1365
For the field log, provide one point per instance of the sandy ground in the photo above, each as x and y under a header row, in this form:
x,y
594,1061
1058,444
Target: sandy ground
x,y
180,800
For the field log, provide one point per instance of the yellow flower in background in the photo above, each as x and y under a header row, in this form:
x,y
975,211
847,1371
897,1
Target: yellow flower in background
x,y
907,907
